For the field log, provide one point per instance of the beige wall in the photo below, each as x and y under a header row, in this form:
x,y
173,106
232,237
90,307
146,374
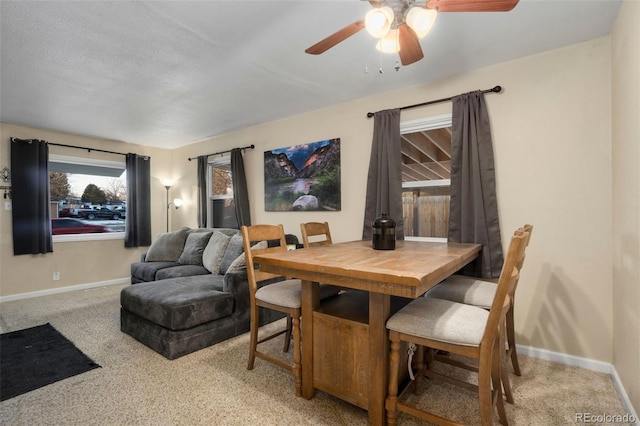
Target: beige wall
x,y
552,139
78,263
626,198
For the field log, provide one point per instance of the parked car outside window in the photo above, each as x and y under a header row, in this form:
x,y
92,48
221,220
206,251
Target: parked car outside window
x,y
74,226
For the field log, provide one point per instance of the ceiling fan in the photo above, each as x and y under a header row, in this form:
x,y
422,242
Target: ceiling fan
x,y
399,24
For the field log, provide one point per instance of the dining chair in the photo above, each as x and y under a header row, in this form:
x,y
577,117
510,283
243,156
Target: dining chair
x,y
315,234
478,292
460,329
276,293
318,234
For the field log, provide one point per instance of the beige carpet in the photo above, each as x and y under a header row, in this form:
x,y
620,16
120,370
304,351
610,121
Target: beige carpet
x,y
137,386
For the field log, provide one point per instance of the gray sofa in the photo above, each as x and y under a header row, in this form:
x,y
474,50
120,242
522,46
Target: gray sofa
x,y
189,291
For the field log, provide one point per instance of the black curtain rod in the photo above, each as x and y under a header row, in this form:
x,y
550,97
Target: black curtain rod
x,y
71,146
88,149
224,152
496,89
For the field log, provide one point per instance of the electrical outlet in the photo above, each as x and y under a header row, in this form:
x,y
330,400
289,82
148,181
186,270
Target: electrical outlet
x,y
56,276
7,205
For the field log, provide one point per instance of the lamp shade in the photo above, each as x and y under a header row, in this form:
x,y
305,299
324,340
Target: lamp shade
x,y
421,20
378,21
178,202
389,43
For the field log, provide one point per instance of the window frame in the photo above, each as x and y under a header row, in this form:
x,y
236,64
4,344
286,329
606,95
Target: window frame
x,y
223,159
425,124
64,238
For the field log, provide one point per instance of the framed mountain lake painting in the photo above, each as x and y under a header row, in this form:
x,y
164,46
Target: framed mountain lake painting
x,y
303,177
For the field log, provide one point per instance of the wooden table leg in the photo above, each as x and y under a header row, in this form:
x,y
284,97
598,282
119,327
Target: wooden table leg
x,y
379,311
310,302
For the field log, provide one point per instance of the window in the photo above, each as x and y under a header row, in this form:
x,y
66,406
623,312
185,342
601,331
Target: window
x,y
88,198
426,171
222,213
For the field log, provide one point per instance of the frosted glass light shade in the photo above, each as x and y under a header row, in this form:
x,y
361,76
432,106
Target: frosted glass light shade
x,y
421,20
378,21
178,202
389,43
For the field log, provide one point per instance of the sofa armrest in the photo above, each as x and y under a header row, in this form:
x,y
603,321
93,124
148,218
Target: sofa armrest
x,y
236,283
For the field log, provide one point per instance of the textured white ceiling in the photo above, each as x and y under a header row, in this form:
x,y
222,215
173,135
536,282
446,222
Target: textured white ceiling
x,y
170,73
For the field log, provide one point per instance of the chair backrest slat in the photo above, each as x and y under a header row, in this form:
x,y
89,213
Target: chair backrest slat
x,y
526,229
320,230
506,286
251,235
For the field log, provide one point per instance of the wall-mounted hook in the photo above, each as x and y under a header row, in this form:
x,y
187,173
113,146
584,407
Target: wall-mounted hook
x,y
5,173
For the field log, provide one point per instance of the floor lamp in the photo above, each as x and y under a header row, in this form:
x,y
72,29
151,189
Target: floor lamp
x,y
168,204
176,202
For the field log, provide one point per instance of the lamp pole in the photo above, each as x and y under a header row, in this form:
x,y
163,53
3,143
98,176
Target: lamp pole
x,y
168,187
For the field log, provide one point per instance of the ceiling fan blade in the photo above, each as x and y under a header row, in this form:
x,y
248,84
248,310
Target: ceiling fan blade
x,y
335,38
472,5
410,50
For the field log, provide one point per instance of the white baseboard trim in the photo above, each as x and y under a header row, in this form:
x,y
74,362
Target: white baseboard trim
x,y
625,397
47,292
560,358
586,363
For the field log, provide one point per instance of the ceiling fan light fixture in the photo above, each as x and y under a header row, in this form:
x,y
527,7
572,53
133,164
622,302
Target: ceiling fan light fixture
x,y
421,20
389,43
378,21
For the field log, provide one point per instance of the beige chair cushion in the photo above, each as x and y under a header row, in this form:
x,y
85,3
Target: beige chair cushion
x,y
283,293
289,293
441,320
467,290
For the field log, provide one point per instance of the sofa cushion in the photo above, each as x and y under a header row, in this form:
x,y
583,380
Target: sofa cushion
x,y
181,271
194,247
234,249
240,262
146,271
214,251
167,247
180,303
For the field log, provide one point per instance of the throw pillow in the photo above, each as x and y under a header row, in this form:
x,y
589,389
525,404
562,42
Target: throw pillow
x,y
167,247
234,249
240,262
194,247
213,253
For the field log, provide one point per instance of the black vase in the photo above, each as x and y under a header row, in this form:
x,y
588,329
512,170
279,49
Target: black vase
x,y
384,233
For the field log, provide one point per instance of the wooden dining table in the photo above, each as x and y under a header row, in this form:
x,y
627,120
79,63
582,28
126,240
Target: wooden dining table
x,y
408,271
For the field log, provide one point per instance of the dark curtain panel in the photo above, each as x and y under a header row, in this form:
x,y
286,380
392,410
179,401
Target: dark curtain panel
x,y
138,229
202,190
473,216
240,190
384,182
31,210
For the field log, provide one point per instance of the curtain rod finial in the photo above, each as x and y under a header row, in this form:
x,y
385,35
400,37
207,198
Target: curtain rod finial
x,y
370,114
497,89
